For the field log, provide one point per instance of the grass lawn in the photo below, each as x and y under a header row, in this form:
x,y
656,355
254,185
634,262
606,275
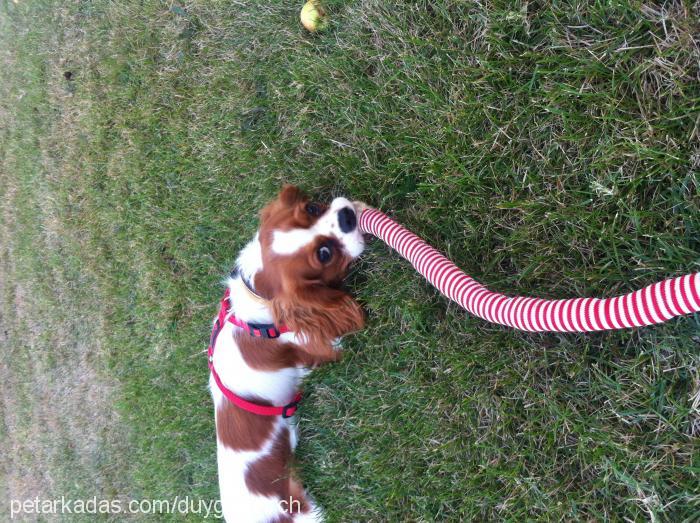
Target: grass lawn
x,y
550,148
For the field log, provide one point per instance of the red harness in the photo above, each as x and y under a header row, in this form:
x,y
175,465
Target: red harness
x,y
259,330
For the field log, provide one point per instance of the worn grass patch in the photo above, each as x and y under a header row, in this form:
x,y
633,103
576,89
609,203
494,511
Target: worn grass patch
x,y
550,149
61,434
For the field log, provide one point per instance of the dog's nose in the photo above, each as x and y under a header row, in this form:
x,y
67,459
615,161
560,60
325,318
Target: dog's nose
x,y
347,219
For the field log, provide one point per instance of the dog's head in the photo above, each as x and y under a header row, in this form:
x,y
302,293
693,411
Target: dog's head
x,y
307,248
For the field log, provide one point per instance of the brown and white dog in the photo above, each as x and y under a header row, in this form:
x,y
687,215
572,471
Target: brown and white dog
x,y
290,275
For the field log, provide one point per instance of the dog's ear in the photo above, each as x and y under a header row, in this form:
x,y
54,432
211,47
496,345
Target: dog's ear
x,y
320,313
289,196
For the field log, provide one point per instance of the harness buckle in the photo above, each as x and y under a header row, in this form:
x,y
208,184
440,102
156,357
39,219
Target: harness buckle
x,y
264,330
290,407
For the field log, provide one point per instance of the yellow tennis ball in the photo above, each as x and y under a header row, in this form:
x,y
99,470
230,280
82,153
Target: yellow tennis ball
x,y
313,16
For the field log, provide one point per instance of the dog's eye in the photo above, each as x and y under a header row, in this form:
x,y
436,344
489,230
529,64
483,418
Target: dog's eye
x,y
313,209
324,253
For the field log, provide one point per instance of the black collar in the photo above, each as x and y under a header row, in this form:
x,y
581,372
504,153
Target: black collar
x,y
235,272
264,330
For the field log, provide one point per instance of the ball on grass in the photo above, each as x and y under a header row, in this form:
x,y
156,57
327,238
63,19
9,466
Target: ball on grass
x,y
313,16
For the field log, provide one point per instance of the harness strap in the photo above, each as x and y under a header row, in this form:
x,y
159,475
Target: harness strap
x,y
259,330
270,331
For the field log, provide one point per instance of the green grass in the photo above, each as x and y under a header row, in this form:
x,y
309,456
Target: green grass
x,y
549,148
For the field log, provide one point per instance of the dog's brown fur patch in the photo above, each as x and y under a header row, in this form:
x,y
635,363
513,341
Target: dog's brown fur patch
x,y
239,429
271,474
